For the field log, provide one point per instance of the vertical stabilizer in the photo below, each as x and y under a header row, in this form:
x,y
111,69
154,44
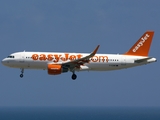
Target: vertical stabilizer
x,y
142,46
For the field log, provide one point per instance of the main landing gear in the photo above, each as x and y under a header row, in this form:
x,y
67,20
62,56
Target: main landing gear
x,y
22,71
74,76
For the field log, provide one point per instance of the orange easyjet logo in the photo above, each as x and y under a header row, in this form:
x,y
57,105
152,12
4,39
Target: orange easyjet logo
x,y
140,43
57,57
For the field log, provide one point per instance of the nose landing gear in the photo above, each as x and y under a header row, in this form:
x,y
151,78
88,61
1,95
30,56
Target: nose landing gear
x,y
22,71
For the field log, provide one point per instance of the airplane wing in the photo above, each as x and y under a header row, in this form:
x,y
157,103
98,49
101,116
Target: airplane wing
x,y
76,63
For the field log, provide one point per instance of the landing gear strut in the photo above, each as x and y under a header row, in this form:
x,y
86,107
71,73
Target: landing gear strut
x,y
22,71
74,76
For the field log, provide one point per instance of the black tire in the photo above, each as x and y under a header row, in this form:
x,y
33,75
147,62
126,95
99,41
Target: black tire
x,y
21,75
74,76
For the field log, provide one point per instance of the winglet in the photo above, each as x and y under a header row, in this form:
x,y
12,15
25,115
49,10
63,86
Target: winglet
x,y
142,46
95,51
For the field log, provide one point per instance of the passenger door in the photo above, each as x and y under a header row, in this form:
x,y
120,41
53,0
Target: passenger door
x,y
22,57
123,61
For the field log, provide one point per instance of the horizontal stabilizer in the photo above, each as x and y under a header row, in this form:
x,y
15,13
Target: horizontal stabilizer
x,y
141,60
149,59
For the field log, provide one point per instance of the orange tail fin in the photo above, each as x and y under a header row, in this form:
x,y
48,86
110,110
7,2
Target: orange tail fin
x,y
142,46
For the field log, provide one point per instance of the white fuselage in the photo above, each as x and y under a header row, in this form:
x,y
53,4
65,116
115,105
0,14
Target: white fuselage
x,y
100,62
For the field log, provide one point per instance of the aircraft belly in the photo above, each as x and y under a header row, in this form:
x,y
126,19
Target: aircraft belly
x,y
32,65
103,66
37,65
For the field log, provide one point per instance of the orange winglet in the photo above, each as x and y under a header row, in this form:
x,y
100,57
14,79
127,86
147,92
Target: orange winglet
x,y
95,51
142,46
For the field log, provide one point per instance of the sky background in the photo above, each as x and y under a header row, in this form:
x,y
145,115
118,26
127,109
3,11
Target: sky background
x,y
79,26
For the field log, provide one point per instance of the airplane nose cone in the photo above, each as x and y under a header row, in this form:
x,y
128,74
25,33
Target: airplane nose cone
x,y
4,62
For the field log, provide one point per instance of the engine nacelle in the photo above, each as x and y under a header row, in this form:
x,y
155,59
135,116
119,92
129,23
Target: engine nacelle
x,y
56,69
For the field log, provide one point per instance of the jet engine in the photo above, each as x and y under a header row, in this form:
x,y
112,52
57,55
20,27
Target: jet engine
x,y
56,69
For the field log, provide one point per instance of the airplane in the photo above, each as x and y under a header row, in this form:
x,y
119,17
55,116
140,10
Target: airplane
x,y
57,62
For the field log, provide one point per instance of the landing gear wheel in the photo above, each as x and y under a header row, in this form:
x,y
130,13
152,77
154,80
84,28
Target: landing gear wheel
x,y
74,76
22,71
21,75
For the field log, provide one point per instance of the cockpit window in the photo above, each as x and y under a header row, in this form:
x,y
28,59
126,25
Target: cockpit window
x,y
10,56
